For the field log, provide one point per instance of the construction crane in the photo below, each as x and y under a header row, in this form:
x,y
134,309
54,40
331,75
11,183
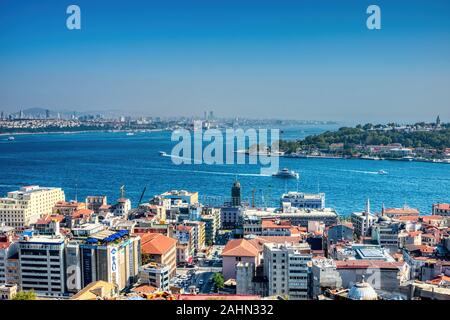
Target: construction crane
x,y
142,196
253,197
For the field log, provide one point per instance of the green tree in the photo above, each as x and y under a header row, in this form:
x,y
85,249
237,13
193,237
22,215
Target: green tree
x,y
218,280
25,295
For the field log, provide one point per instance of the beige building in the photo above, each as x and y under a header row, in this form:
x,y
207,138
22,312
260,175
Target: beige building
x,y
8,291
25,206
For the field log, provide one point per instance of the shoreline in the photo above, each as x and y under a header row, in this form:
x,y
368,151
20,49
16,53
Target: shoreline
x,y
74,132
369,159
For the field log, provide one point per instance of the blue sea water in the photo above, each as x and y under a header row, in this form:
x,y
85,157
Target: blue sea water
x,y
100,162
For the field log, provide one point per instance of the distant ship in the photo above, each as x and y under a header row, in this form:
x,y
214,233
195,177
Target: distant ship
x,y
286,173
11,138
130,133
382,172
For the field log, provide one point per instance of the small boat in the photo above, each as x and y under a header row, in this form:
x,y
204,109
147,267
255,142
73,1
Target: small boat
x,y
130,133
382,172
11,138
162,153
286,173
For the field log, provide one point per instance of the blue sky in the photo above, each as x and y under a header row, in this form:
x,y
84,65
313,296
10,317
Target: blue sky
x,y
311,59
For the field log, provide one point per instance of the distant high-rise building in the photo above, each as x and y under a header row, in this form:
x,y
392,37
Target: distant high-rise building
x,y
236,194
47,113
211,115
21,115
438,121
1,115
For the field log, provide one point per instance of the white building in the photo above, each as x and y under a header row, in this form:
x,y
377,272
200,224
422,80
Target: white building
x,y
385,232
363,221
122,207
304,200
25,206
297,217
324,276
155,274
41,261
286,268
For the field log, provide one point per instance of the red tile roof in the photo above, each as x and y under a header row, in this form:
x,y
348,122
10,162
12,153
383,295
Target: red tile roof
x,y
401,211
365,264
407,218
252,247
240,248
82,213
49,218
442,206
144,288
432,218
156,243
275,224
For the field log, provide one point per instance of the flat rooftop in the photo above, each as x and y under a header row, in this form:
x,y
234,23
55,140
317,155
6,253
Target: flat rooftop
x,y
42,239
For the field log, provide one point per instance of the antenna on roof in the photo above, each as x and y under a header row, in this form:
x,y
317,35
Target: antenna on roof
x,y
122,191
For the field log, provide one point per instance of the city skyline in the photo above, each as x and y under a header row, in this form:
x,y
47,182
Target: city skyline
x,y
302,60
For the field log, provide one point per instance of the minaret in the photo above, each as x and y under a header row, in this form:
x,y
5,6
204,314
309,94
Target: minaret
x,y
367,213
368,206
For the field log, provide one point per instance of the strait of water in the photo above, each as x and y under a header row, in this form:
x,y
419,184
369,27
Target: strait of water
x,y
100,162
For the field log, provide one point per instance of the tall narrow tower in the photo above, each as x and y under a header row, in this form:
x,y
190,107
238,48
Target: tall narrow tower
x,y
367,214
236,194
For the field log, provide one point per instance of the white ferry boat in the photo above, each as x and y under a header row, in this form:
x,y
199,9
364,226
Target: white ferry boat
x,y
286,173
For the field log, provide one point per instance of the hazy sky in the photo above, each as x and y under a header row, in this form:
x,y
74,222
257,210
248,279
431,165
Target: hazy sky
x,y
287,59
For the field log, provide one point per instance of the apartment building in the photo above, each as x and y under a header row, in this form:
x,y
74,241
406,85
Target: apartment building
x,y
160,249
286,268
156,275
41,260
25,206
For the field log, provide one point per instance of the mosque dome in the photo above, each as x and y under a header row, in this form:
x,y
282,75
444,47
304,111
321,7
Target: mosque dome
x,y
362,291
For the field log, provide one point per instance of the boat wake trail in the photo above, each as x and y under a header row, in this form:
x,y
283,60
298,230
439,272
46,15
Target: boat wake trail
x,y
360,171
211,172
219,173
